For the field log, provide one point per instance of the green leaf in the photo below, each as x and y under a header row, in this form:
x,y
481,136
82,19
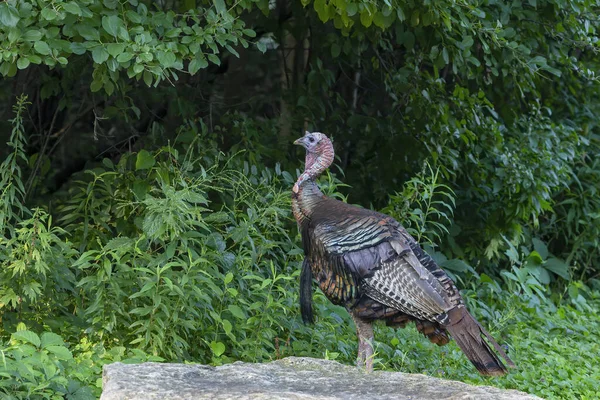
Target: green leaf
x,y
400,14
249,33
379,19
72,8
217,348
534,258
227,327
236,311
322,10
109,87
88,33
78,48
147,76
512,254
173,33
124,57
540,274
51,339
552,70
261,46
34,58
232,50
351,9
96,85
32,35
220,6
478,12
22,63
558,267
455,265
99,54
48,13
538,60
61,352
166,59
9,15
148,286
196,64
447,23
111,24
13,35
466,43
144,160
433,54
540,247
335,50
366,18
28,337
415,18
42,47
214,59
133,16
140,188
123,33
508,32
114,49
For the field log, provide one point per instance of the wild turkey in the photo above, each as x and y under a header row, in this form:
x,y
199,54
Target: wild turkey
x,y
368,263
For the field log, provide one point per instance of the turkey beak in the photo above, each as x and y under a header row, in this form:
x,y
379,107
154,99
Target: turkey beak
x,y
300,142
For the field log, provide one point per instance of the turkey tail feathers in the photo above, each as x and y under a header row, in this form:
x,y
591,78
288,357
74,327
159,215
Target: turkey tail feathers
x,y
306,293
469,336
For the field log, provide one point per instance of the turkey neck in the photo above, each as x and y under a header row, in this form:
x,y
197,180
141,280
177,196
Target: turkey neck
x,y
306,195
306,200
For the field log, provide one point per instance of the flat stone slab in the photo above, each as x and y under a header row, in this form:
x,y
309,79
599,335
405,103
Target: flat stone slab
x,y
289,378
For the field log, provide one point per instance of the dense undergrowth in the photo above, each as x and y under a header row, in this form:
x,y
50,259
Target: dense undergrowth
x,y
188,254
144,192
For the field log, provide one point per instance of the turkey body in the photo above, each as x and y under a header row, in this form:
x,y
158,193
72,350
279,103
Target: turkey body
x,y
365,255
368,263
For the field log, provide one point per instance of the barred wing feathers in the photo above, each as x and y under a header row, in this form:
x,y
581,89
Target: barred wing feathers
x,y
381,255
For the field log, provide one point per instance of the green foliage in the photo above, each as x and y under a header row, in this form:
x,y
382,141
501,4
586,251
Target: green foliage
x,y
119,36
176,255
33,367
473,86
34,260
188,277
13,191
43,367
36,263
574,228
144,192
425,206
533,269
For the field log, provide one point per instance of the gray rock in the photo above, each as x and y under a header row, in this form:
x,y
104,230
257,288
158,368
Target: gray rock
x,y
290,378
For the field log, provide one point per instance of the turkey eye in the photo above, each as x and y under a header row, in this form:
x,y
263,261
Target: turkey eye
x,y
311,139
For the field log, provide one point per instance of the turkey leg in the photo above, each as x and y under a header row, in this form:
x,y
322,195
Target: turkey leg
x,y
364,331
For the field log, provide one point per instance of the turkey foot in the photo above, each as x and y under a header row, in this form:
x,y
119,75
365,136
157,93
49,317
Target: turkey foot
x,y
364,331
